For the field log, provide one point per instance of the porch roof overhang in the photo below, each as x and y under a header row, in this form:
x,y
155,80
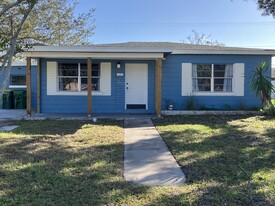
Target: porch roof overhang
x,y
80,52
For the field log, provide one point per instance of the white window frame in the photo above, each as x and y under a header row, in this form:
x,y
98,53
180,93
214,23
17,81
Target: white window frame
x,y
212,78
79,77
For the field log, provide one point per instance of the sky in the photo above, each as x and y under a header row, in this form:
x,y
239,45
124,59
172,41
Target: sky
x,y
231,22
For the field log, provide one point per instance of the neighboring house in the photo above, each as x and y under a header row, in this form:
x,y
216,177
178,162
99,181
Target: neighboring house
x,y
17,80
141,77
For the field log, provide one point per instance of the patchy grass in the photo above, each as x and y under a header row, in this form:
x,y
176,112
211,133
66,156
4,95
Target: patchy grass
x,y
81,163
60,163
72,163
210,149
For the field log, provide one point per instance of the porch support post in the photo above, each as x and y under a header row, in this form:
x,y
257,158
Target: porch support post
x,y
38,85
158,86
89,73
29,89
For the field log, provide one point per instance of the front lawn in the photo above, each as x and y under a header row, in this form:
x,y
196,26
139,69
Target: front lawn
x,y
81,163
61,163
210,150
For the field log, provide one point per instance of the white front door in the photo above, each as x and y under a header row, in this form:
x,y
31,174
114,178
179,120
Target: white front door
x,y
136,86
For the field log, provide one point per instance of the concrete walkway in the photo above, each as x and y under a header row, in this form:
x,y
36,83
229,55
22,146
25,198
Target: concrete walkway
x,y
12,114
147,160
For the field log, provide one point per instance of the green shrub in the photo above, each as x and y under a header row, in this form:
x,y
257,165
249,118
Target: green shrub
x,y
190,102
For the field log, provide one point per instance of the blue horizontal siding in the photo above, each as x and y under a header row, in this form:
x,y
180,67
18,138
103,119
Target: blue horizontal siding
x,y
100,104
21,70
171,87
171,84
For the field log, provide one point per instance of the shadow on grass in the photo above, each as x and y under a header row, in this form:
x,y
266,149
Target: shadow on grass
x,y
211,158
51,168
56,127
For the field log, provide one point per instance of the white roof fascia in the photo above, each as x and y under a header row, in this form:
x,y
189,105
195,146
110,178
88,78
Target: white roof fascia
x,y
21,64
83,55
97,49
236,52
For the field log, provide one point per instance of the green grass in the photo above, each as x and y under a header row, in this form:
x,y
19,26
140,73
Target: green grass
x,y
81,163
210,149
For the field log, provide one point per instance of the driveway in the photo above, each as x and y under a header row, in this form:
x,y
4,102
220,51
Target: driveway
x,y
12,114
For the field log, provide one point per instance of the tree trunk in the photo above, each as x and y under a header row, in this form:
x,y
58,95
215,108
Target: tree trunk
x,y
9,55
4,83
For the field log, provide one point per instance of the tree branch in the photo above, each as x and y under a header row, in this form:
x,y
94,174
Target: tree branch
x,y
9,6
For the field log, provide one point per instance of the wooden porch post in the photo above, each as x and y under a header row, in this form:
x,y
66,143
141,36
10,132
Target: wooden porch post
x,y
29,89
89,73
38,85
158,86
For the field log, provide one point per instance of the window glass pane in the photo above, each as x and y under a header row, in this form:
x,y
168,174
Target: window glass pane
x,y
223,85
84,84
204,70
95,70
83,70
219,70
203,85
95,84
95,73
65,69
18,80
68,84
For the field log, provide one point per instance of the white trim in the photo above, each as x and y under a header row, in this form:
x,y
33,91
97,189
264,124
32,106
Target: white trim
x,y
140,83
238,75
52,81
23,64
18,86
186,79
77,55
52,78
221,51
105,78
190,49
214,94
99,49
237,82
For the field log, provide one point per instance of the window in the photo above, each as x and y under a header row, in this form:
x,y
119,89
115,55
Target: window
x,y
18,80
73,77
95,77
212,77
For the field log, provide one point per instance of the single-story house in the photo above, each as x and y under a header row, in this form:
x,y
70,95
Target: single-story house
x,y
17,78
142,77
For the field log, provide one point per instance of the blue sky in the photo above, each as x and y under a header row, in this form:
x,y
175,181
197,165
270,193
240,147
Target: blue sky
x,y
232,22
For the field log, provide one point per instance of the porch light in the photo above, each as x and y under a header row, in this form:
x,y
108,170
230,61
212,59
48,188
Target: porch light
x,y
118,65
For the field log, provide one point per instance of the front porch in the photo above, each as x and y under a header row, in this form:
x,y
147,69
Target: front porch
x,y
92,99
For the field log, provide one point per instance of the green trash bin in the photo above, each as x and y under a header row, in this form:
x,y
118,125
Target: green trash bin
x,y
20,99
8,99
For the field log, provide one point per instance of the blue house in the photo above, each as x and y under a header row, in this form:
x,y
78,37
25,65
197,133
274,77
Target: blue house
x,y
17,78
141,77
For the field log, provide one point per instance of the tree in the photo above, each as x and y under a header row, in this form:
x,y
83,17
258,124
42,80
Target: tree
x,y
201,39
12,18
25,23
262,85
53,22
268,7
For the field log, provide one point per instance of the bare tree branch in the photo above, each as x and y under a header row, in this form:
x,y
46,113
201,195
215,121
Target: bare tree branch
x,y
201,39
